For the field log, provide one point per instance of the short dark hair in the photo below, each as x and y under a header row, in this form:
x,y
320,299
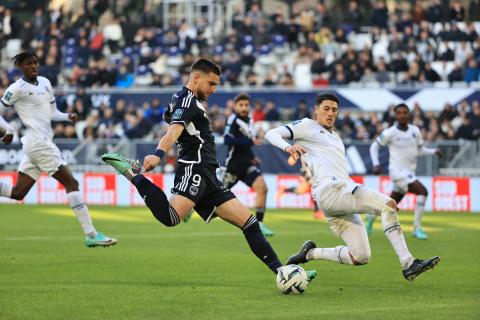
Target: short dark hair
x,y
326,96
401,105
206,66
19,58
242,96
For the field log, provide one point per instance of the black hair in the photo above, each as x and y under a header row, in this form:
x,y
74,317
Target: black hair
x,y
400,105
242,96
206,66
326,96
19,58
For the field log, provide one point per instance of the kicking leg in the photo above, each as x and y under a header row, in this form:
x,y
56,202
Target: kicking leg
x,y
20,189
261,190
75,200
419,189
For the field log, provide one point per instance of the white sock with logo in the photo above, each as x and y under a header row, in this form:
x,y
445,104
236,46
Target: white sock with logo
x,y
81,211
338,254
394,234
5,190
419,209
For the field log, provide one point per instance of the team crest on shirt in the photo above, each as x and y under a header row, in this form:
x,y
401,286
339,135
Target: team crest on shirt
x,y
414,135
46,88
178,114
193,190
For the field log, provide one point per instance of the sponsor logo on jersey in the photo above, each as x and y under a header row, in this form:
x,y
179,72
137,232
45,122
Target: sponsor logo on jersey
x,y
8,96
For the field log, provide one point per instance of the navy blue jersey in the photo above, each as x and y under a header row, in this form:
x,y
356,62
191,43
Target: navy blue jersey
x,y
196,143
238,136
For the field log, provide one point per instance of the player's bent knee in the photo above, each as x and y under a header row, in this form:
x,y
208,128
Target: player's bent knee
x,y
362,258
392,203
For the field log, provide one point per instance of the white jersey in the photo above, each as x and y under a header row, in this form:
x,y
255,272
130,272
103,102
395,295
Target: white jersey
x,y
403,147
325,152
34,104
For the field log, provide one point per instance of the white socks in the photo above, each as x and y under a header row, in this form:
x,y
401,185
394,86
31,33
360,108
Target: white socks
x,y
81,211
394,234
419,208
338,254
5,190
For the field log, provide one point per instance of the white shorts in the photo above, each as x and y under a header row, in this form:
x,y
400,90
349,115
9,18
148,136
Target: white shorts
x,y
340,198
40,156
401,179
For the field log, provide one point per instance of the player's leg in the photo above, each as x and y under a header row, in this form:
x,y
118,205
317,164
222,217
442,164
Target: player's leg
x,y
416,187
373,201
154,197
236,213
370,217
260,188
351,229
20,189
75,200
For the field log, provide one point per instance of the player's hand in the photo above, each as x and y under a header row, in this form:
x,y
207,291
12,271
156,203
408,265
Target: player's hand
x,y
257,141
150,162
439,153
73,117
8,138
295,151
377,170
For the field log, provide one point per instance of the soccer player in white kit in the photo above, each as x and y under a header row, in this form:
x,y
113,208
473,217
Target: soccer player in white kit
x,y
33,99
338,196
405,144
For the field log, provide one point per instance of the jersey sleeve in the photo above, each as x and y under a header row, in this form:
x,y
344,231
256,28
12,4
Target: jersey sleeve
x,y
384,138
184,111
298,129
11,96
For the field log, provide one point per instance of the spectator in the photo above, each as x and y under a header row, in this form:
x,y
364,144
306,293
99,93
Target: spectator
x,y
435,12
472,72
457,11
271,112
258,113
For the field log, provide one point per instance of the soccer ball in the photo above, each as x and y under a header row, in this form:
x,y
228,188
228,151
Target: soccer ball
x,y
292,279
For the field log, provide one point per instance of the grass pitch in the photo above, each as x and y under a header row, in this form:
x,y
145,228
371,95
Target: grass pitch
x,y
198,271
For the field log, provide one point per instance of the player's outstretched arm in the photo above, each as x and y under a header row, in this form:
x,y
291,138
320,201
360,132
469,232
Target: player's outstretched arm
x,y
374,152
174,131
277,138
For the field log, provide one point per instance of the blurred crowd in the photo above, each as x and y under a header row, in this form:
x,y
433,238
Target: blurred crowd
x,y
100,120
312,44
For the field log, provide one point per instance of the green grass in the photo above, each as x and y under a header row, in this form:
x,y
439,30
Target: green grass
x,y
198,271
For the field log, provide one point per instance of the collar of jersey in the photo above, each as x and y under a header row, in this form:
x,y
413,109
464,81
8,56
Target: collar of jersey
x,y
27,81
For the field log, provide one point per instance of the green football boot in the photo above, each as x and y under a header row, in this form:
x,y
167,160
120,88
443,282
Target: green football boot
x,y
100,240
126,167
267,232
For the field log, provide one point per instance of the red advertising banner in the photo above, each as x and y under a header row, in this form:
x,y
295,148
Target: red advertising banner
x,y
135,198
358,179
451,194
50,191
8,178
293,191
386,186
100,188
